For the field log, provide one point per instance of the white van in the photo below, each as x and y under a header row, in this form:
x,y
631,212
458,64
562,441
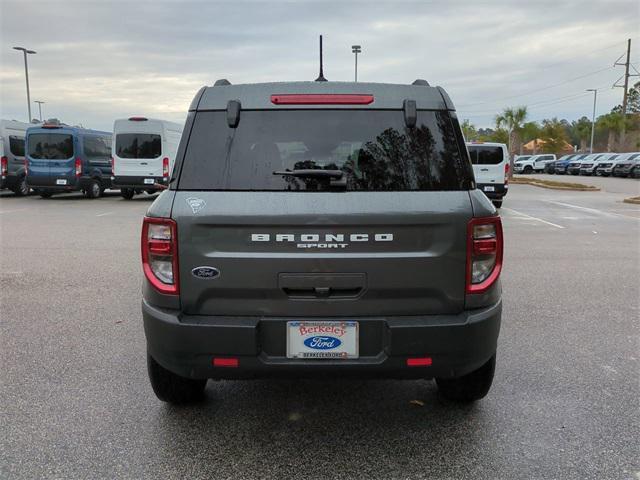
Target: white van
x,y
144,151
491,168
13,176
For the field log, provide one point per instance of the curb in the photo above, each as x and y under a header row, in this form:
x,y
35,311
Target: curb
x,y
634,200
585,188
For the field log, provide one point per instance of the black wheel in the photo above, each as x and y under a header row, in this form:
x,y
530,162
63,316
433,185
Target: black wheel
x,y
127,193
528,169
173,388
497,203
22,189
45,194
93,190
470,387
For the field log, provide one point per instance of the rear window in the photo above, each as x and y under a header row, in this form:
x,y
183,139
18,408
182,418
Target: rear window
x,y
372,148
16,146
485,155
53,146
138,145
97,146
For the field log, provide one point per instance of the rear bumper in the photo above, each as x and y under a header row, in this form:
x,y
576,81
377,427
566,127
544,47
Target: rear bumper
x,y
120,181
48,184
499,190
457,344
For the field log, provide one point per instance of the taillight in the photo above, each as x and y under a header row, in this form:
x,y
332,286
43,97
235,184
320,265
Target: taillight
x,y
4,166
322,99
160,254
26,166
113,167
484,253
165,167
78,167
506,173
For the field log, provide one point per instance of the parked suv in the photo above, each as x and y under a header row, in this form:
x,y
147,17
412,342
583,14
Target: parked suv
x,y
560,167
491,168
590,166
12,173
624,167
321,229
535,163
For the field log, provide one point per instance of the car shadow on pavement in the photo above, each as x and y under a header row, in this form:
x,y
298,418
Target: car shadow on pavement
x,y
308,429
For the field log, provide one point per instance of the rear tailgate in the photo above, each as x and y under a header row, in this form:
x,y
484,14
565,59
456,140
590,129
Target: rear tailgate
x,y
323,254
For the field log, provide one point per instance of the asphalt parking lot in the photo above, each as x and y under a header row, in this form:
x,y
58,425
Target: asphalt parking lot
x,y
76,402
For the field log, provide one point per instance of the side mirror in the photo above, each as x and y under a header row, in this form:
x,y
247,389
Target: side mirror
x,y
410,113
233,113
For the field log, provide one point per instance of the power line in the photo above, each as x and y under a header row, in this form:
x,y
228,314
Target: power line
x,y
540,89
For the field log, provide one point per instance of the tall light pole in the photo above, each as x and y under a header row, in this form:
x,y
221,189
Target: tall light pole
x,y
39,102
356,49
26,74
593,117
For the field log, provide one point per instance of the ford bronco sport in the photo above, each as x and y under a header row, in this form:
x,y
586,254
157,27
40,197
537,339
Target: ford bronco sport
x,y
321,229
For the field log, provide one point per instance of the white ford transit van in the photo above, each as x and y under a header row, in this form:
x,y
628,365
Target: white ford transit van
x,y
491,168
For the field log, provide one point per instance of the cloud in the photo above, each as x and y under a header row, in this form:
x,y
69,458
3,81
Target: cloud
x,y
98,61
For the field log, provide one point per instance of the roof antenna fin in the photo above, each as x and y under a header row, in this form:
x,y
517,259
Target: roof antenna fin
x,y
321,76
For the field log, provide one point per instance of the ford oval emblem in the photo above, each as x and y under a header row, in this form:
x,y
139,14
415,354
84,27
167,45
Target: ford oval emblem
x,y
205,273
322,343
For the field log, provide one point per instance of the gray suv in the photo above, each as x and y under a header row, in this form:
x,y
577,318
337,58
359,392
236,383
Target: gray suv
x,y
318,229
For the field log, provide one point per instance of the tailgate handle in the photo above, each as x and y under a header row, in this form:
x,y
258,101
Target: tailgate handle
x,y
317,286
323,292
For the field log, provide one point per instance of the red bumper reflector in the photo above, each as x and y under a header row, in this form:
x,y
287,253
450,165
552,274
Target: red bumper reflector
x,y
321,99
419,362
225,362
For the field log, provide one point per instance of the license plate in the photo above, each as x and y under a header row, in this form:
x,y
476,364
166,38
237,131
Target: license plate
x,y
489,189
149,181
328,340
61,182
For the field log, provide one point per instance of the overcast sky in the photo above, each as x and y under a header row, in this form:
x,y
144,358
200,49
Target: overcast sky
x,y
98,61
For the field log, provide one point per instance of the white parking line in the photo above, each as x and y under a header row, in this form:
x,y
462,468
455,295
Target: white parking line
x,y
524,215
11,211
591,210
103,214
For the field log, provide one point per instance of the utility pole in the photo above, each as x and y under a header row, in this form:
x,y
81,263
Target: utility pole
x,y
593,117
39,102
626,90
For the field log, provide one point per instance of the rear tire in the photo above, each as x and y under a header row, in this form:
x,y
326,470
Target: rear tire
x,y
93,190
527,170
497,203
45,194
22,189
470,387
127,193
172,388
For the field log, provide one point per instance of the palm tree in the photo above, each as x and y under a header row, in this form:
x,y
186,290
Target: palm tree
x,y
512,119
613,123
469,130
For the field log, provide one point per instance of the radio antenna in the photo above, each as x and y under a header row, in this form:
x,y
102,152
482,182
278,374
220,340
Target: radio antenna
x,y
321,76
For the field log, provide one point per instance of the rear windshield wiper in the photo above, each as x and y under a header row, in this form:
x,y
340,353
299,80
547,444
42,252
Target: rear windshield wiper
x,y
311,173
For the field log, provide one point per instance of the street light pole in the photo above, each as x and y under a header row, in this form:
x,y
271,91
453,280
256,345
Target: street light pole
x,y
356,49
593,117
39,102
26,74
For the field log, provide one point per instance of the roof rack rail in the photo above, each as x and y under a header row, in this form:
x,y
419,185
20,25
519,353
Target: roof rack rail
x,y
421,82
222,82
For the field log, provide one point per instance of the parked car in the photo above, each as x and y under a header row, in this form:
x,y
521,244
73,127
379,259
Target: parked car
x,y
321,228
517,158
573,167
12,175
624,167
589,167
61,158
144,151
550,167
491,168
533,164
560,167
605,168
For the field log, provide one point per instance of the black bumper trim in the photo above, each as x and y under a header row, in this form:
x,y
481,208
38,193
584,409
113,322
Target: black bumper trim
x,y
457,345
